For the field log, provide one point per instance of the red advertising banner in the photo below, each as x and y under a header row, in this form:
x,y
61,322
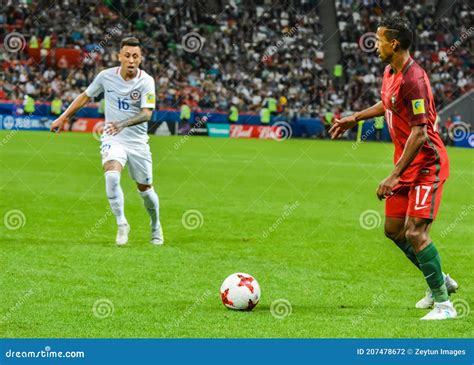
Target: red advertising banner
x,y
252,131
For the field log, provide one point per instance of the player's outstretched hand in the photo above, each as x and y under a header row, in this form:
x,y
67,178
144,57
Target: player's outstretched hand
x,y
58,124
341,125
386,186
113,128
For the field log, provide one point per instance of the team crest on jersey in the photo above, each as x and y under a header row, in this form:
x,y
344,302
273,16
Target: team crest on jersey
x,y
135,94
393,99
418,106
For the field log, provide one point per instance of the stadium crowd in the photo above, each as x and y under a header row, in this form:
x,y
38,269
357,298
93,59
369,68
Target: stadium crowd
x,y
242,56
449,66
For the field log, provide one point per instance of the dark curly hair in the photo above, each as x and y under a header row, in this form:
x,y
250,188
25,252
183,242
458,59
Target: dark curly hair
x,y
397,28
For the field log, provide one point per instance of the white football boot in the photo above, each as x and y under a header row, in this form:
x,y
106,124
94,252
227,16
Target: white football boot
x,y
157,237
122,234
442,310
428,300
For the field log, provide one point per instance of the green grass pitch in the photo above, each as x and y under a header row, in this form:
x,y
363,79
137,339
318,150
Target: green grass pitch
x,y
286,212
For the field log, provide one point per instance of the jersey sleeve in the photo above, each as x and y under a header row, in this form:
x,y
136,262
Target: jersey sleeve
x,y
96,87
416,98
148,94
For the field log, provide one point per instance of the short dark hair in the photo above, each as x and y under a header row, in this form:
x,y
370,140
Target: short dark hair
x,y
397,28
130,41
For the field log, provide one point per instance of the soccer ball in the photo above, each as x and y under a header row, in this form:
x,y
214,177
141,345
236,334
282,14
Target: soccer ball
x,y
240,291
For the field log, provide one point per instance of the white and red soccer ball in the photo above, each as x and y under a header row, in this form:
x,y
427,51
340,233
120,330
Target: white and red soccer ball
x,y
240,291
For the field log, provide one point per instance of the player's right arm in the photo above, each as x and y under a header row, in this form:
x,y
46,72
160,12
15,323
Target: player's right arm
x,y
77,104
343,124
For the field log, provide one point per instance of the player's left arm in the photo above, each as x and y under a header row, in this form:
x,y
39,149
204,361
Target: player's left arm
x,y
416,95
144,115
413,146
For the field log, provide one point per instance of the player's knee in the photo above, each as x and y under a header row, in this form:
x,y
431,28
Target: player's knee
x,y
415,236
112,165
393,234
390,234
143,187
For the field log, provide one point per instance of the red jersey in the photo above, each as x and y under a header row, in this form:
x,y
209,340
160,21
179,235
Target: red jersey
x,y
408,102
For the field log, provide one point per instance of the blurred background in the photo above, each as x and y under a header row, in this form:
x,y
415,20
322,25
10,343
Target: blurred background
x,y
226,67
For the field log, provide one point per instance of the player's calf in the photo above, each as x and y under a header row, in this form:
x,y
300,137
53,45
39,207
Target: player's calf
x,y
115,195
430,264
152,205
395,231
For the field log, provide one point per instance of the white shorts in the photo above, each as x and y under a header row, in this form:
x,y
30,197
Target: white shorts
x,y
138,158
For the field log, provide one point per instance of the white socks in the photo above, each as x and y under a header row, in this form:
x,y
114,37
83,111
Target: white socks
x,y
152,205
115,195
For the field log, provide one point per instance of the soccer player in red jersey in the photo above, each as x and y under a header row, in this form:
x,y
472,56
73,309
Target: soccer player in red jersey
x,y
412,192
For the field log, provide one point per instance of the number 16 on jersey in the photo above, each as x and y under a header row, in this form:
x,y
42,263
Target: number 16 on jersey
x,y
123,104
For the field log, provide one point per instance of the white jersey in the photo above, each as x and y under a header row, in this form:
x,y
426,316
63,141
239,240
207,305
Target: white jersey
x,y
124,100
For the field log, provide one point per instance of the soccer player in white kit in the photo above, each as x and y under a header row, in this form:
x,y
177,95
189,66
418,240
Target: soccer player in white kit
x,y
129,102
